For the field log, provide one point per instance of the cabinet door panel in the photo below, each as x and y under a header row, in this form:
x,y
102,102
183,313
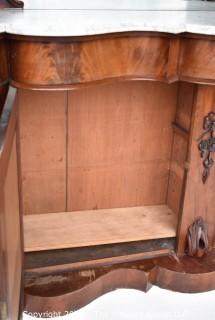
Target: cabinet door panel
x,y
11,247
199,200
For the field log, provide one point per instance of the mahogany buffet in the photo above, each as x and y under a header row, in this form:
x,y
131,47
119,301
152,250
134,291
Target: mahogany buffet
x,y
107,142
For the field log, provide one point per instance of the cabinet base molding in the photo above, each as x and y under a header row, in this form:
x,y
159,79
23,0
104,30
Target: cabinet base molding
x,y
67,291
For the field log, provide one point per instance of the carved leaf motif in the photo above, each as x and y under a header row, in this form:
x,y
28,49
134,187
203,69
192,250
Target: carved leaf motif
x,y
207,146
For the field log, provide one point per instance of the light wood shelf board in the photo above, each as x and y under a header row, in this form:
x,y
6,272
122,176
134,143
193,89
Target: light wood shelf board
x,y
96,227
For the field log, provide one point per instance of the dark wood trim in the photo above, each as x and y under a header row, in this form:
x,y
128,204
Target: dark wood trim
x,y
3,83
3,95
4,64
100,262
67,256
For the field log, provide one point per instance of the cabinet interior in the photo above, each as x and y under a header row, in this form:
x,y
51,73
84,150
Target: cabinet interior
x,y
103,164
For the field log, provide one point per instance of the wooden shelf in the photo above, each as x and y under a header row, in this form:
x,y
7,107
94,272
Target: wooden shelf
x,y
97,227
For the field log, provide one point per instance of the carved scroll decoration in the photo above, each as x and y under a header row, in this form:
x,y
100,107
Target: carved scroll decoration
x,y
197,237
207,146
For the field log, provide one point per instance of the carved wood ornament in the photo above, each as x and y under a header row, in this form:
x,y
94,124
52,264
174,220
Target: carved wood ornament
x,y
207,146
197,237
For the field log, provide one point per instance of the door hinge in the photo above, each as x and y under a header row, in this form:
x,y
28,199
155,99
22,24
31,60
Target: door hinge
x,y
3,310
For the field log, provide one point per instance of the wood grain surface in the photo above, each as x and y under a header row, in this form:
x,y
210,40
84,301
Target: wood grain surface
x,y
42,129
199,198
86,149
115,155
55,63
107,164
68,62
96,227
11,236
197,59
71,290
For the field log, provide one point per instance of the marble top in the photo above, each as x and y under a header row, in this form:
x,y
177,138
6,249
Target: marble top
x,y
79,18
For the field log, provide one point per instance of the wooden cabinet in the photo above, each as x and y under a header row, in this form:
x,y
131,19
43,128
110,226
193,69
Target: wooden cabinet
x,y
109,179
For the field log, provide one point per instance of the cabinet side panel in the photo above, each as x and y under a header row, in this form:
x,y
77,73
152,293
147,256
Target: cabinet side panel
x,y
42,123
119,144
13,236
4,72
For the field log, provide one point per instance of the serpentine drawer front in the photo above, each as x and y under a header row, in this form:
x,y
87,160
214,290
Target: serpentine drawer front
x,y
65,62
106,152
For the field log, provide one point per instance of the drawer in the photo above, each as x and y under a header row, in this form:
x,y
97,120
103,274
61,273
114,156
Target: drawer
x,y
197,60
75,62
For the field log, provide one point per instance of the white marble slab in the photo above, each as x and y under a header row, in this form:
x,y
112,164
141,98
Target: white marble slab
x,y
91,21
119,4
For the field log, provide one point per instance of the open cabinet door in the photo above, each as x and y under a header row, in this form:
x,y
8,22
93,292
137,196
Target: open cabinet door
x,y
11,244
